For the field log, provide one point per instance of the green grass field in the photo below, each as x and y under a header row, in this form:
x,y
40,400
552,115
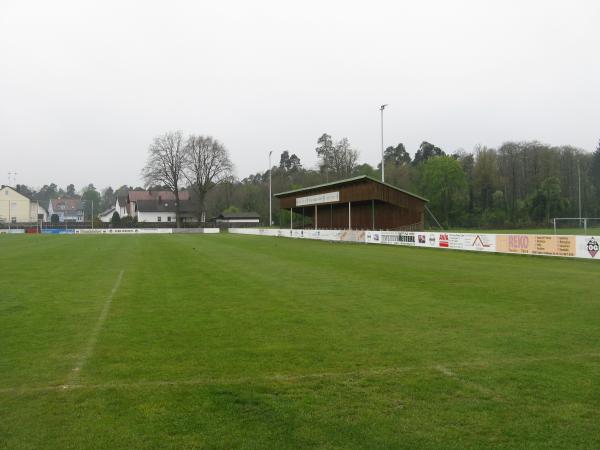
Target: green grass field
x,y
225,341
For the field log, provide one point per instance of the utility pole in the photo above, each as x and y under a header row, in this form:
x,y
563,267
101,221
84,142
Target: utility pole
x,y
382,157
270,195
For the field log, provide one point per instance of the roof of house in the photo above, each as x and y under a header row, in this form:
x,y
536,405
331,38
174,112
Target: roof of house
x,y
136,196
110,211
163,206
122,200
348,181
238,215
20,193
66,204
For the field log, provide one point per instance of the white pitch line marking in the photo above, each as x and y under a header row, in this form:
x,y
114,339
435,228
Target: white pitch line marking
x,y
91,343
482,389
477,364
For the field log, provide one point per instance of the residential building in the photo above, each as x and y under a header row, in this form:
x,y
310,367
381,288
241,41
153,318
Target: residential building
x,y
106,216
42,213
121,205
157,196
163,211
16,207
67,209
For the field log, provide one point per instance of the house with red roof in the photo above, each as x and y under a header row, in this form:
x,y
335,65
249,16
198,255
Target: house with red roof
x,y
67,209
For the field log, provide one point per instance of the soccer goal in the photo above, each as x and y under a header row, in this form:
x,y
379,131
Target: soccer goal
x,y
576,225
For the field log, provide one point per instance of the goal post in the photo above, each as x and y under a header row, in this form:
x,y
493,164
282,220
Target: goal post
x,y
591,224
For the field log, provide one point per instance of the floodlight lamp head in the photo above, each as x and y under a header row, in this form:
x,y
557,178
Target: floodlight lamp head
x,y
383,107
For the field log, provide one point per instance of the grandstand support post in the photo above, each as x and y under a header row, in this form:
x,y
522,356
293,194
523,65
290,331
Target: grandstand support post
x,y
291,218
315,217
373,214
349,215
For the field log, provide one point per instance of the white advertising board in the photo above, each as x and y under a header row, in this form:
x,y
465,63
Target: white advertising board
x,y
456,241
588,247
323,235
327,197
124,231
390,237
12,231
523,244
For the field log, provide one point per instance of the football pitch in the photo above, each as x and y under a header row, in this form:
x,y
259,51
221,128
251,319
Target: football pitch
x,y
230,341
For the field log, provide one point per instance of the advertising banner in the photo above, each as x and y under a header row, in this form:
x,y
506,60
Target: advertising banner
x,y
195,230
588,247
124,231
353,236
328,197
390,237
57,231
536,244
323,235
12,231
525,244
457,241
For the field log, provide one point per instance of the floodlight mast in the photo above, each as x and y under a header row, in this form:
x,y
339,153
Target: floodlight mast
x,y
381,108
270,195
579,184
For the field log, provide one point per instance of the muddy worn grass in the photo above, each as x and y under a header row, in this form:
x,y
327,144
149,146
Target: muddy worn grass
x,y
253,342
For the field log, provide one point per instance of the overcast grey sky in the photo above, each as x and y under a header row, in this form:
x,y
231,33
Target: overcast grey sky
x,y
85,86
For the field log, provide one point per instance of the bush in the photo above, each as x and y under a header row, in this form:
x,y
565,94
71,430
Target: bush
x,y
115,220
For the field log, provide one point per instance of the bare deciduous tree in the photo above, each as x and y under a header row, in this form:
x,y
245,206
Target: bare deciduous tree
x,y
165,164
207,164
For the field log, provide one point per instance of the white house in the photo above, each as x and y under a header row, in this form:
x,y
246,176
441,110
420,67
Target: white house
x,y
133,197
42,213
121,205
67,209
18,208
162,211
107,215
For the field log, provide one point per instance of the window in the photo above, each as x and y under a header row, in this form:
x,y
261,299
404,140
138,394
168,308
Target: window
x,y
13,220
159,219
168,218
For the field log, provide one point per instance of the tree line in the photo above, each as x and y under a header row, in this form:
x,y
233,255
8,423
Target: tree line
x,y
517,184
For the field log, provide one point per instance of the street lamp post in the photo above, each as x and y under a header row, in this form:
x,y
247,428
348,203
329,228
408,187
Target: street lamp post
x,y
382,157
270,195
